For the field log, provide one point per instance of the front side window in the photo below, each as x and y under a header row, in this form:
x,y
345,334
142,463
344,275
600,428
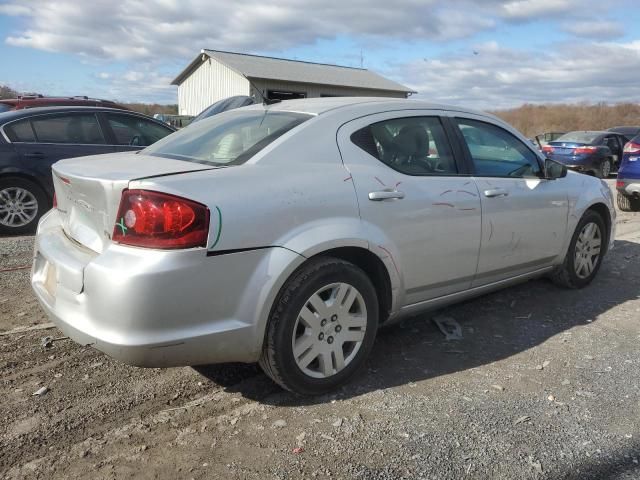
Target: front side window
x,y
20,131
612,143
496,152
75,128
135,131
411,145
230,138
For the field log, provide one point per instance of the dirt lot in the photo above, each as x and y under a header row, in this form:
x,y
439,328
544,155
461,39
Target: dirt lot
x,y
544,384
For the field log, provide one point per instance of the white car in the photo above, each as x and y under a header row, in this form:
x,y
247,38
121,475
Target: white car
x,y
286,234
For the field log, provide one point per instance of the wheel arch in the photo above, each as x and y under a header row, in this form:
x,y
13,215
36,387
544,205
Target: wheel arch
x,y
602,210
373,267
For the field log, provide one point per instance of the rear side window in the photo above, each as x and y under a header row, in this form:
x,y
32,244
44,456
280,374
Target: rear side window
x,y
412,145
81,129
496,152
230,138
135,131
20,131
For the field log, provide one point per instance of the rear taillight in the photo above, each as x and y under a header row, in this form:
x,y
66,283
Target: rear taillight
x,y
584,150
632,147
547,149
158,220
619,183
55,200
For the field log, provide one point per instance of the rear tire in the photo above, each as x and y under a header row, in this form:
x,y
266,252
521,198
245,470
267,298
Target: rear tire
x,y
22,203
322,327
605,168
581,264
628,204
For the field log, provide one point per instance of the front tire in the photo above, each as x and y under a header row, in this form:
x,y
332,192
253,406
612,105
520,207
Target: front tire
x,y
584,257
322,327
22,203
628,204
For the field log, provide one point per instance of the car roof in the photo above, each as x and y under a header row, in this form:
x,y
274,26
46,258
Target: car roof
x,y
28,112
319,106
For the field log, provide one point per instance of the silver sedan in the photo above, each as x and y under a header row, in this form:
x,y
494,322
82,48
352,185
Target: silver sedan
x,y
286,234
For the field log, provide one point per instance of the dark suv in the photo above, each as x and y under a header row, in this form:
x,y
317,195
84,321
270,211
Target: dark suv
x,y
32,101
31,140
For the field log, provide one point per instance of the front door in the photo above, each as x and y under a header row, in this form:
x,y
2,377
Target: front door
x,y
524,217
413,201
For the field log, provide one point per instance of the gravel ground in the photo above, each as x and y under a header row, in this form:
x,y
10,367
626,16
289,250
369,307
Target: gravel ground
x,y
545,383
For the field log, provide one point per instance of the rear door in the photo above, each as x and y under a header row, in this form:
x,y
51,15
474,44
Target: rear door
x,y
413,200
524,217
42,140
131,132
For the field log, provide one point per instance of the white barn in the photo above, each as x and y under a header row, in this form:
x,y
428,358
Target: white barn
x,y
214,75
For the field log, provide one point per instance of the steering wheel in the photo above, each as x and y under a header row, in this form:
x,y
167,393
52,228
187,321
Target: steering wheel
x,y
136,141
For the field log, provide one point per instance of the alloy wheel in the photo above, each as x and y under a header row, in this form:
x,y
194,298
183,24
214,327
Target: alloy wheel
x,y
18,207
587,251
329,330
606,168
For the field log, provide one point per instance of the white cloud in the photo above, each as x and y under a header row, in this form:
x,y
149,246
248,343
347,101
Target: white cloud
x,y
527,9
500,77
144,37
599,29
148,29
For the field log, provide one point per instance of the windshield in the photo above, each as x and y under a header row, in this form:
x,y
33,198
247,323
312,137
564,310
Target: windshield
x,y
231,138
578,137
5,107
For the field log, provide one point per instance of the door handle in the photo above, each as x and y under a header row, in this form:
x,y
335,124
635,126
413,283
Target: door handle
x,y
34,154
385,195
496,192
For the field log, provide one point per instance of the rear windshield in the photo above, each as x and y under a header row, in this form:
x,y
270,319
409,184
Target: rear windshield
x,y
5,107
229,138
578,137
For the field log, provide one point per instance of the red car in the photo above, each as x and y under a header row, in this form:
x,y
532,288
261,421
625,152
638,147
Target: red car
x,y
31,101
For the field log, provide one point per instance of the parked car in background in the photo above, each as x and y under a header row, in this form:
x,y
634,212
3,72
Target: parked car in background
x,y
31,140
33,101
544,138
628,182
628,132
176,121
223,105
594,153
286,234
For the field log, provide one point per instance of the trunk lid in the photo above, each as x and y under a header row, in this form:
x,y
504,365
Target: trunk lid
x,y
88,190
565,148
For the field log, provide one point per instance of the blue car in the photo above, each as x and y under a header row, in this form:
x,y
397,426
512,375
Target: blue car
x,y
593,153
628,183
31,140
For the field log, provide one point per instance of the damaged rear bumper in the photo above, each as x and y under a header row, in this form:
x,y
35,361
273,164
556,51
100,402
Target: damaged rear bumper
x,y
148,307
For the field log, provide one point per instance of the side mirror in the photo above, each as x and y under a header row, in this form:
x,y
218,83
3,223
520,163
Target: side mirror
x,y
554,170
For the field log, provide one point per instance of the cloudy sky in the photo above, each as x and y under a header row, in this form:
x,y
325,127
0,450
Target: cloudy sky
x,y
481,53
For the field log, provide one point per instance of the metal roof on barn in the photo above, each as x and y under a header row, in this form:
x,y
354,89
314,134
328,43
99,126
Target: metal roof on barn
x,y
271,68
